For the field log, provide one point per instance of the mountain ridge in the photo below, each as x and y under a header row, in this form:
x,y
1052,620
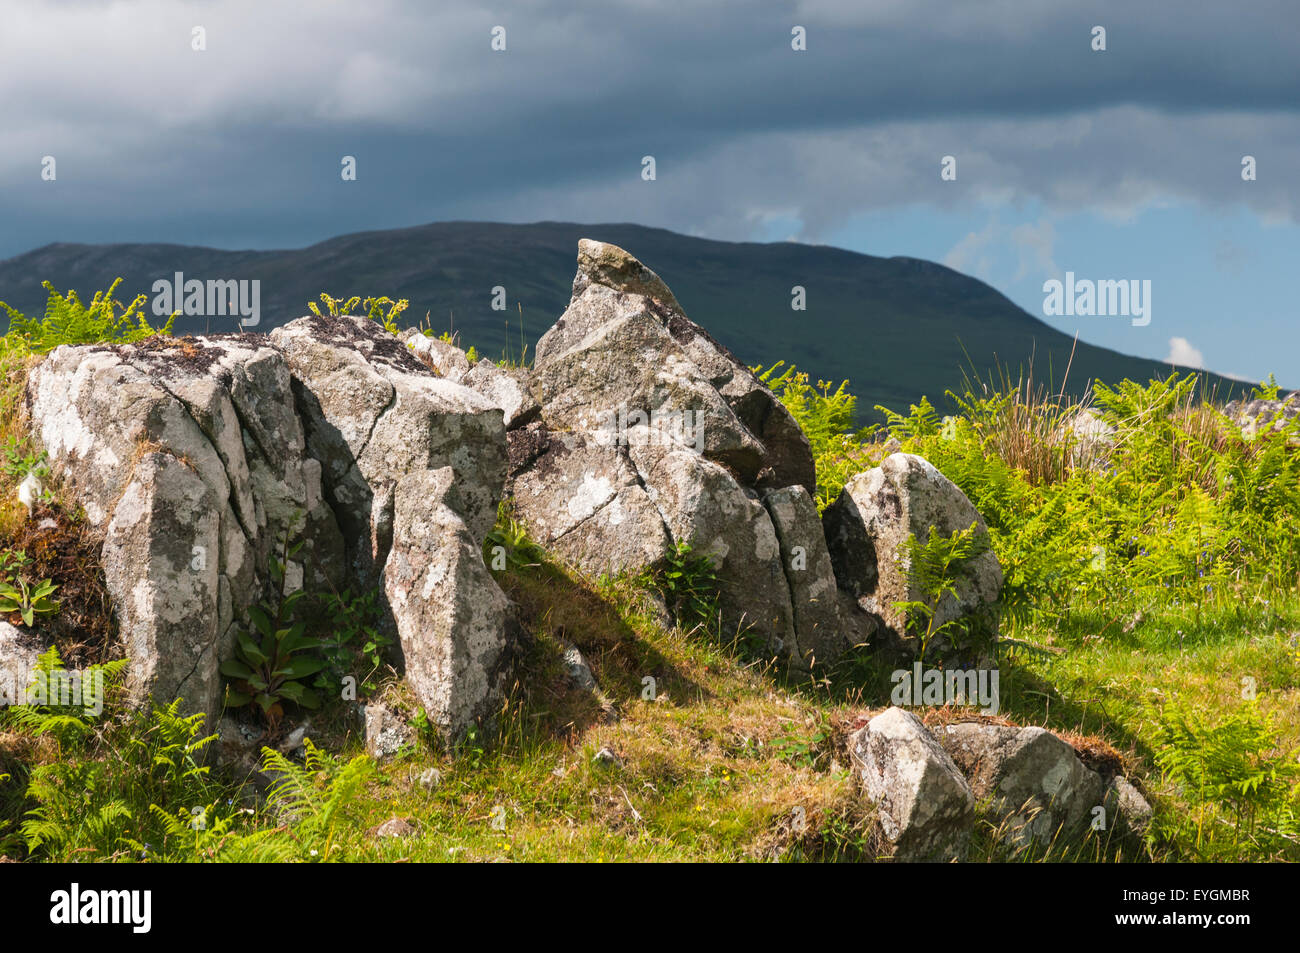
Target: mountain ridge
x,y
896,328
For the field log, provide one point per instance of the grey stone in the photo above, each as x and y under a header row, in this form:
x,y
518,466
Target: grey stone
x,y
1124,803
867,529
926,808
451,616
585,503
1033,782
703,506
375,413
822,633
386,732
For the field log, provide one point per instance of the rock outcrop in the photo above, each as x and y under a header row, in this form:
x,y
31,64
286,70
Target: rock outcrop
x,y
650,434
195,458
1033,783
1261,414
374,413
1027,783
191,459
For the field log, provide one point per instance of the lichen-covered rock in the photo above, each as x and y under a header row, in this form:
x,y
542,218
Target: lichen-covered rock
x,y
189,457
507,388
926,808
19,651
170,606
450,614
585,503
386,732
197,457
703,506
867,531
630,367
822,632
445,358
375,413
1033,782
1261,414
1126,807
640,352
650,435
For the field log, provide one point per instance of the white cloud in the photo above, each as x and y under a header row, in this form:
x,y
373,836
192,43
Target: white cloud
x,y
1182,353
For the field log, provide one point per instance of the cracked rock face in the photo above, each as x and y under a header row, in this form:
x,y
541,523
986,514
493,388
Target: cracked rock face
x,y
195,457
867,529
825,628
373,413
190,458
588,503
651,434
450,614
1033,782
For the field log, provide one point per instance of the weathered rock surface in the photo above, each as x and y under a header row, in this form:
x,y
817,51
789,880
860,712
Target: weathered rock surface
x,y
703,506
824,627
196,457
505,387
1033,781
189,456
450,614
867,529
586,503
386,732
373,414
1125,804
19,651
926,807
651,434
1262,414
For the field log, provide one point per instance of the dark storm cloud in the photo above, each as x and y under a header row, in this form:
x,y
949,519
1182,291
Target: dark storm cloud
x,y
240,144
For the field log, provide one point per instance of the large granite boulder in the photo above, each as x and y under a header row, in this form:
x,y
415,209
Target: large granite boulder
x,y
703,506
650,434
197,458
189,457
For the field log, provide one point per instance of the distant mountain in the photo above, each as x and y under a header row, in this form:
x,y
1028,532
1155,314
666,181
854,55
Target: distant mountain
x,y
896,328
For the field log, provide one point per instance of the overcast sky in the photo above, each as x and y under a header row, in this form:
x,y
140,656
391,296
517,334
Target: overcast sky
x,y
1117,164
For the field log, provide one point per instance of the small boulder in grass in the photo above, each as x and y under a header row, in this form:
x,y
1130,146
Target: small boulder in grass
x,y
1126,806
926,808
393,827
1034,783
386,731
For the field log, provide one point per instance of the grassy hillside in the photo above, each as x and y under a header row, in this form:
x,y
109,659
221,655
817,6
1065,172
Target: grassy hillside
x,y
896,328
1150,617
